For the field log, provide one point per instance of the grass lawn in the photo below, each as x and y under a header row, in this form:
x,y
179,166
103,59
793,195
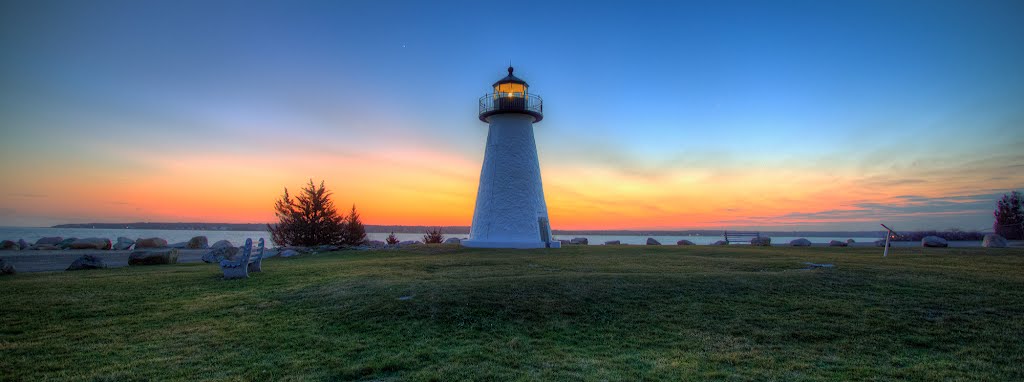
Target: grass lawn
x,y
579,313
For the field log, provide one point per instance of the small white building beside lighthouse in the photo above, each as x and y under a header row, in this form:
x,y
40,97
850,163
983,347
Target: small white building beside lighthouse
x,y
510,208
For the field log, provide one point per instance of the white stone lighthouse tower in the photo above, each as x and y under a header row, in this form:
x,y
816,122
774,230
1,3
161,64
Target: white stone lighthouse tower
x,y
510,208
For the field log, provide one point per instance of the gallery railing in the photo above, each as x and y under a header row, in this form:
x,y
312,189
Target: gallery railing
x,y
499,103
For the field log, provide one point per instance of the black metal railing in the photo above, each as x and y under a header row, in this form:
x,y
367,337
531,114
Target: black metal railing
x,y
498,103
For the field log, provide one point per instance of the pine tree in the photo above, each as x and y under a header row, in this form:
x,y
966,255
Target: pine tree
x,y
392,239
433,236
307,220
1009,215
354,232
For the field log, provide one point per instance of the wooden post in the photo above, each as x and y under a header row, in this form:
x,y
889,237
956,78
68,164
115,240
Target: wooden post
x,y
888,235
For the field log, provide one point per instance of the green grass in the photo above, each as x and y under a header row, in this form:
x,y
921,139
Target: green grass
x,y
579,313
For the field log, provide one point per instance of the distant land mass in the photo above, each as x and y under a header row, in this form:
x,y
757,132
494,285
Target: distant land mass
x,y
457,229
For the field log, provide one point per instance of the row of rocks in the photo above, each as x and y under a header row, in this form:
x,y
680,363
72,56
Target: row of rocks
x,y
122,243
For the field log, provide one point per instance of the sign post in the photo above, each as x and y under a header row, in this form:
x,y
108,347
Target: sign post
x,y
888,235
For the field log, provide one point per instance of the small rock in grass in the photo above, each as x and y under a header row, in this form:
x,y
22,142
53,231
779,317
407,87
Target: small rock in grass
x,y
801,242
167,256
934,242
612,242
993,241
87,262
684,242
6,268
651,241
721,242
836,243
761,241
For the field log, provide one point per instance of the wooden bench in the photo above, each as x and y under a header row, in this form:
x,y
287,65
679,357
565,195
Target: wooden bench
x,y
740,236
244,264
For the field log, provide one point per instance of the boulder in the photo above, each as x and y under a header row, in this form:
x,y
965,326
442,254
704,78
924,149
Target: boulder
x,y
801,242
215,255
52,240
8,245
564,242
836,243
153,242
761,241
934,242
221,244
178,245
684,242
87,262
579,240
993,241
164,256
6,268
91,243
66,243
612,242
326,248
198,242
452,240
651,241
721,242
43,247
22,244
409,242
124,243
850,241
289,253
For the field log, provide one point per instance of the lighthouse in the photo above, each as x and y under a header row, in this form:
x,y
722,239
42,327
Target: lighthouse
x,y
510,208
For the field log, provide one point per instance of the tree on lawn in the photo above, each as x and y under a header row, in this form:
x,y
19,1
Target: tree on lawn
x,y
354,233
307,220
1009,215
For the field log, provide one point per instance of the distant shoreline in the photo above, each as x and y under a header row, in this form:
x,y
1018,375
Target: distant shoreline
x,y
453,229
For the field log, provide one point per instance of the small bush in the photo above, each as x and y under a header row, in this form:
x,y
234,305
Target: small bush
x,y
433,236
392,239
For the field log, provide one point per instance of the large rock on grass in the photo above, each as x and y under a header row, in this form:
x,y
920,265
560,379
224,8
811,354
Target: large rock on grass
x,y
721,242
289,253
684,242
651,241
215,255
6,268
198,242
8,245
153,257
43,247
761,241
178,245
452,240
153,242
801,242
123,243
850,241
221,244
993,241
934,242
579,240
91,243
836,243
87,262
612,242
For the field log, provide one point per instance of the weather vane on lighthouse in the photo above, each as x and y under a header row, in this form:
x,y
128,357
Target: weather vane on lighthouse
x,y
510,208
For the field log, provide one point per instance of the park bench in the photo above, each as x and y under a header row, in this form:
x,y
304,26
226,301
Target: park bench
x,y
244,264
740,236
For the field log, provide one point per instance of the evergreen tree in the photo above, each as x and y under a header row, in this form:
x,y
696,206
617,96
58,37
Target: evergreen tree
x,y
307,220
1009,215
354,232
433,237
392,239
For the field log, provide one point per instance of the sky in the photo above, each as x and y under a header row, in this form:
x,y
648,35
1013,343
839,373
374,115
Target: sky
x,y
774,115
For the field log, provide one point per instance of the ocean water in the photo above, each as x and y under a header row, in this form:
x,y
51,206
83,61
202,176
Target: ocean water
x,y
31,234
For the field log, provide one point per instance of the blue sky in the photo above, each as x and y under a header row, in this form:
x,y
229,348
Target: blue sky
x,y
758,112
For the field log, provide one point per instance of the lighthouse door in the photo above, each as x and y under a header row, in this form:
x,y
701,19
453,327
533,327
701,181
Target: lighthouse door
x,y
544,229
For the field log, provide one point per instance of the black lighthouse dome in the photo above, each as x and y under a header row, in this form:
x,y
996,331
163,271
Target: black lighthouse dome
x,y
511,95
